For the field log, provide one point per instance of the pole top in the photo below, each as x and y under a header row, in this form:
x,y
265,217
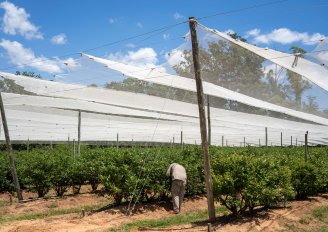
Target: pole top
x,y
192,19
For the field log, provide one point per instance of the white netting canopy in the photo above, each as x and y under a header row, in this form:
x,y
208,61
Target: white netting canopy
x,y
250,90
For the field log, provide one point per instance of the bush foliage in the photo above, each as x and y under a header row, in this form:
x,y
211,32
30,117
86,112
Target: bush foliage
x,y
243,178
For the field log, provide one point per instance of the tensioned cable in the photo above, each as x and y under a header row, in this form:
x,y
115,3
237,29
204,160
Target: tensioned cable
x,y
242,9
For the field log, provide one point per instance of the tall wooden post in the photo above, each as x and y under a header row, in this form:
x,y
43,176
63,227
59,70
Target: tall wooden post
x,y
266,136
10,151
74,155
222,141
28,144
117,141
306,147
79,135
202,119
244,141
209,120
68,146
291,141
181,138
281,139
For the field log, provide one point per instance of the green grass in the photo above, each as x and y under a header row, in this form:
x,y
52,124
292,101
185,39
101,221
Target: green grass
x,y
321,213
52,205
305,220
51,212
179,219
4,203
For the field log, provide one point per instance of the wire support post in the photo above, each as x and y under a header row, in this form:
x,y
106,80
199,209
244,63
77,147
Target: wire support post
x,y
209,120
79,134
202,119
306,150
10,151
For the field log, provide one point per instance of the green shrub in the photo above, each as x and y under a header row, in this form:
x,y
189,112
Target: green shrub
x,y
60,172
33,170
243,182
117,176
5,175
304,179
230,178
78,175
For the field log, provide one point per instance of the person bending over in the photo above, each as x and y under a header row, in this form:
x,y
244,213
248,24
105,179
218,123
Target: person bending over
x,y
178,176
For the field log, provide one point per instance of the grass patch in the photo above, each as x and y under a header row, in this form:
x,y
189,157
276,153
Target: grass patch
x,y
305,220
51,212
179,219
321,213
4,203
52,205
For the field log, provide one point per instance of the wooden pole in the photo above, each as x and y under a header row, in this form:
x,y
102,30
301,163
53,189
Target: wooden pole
x,y
222,140
181,138
306,147
74,148
291,141
28,144
244,141
79,135
281,139
202,119
266,136
10,151
209,120
68,146
117,141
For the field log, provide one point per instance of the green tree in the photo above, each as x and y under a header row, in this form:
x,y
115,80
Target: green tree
x,y
297,85
275,91
311,106
28,74
226,65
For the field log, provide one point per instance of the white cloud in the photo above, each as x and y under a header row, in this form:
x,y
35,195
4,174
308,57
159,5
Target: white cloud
x,y
130,45
16,21
166,36
139,25
112,20
284,36
21,56
255,32
229,31
175,57
144,57
71,63
178,16
59,39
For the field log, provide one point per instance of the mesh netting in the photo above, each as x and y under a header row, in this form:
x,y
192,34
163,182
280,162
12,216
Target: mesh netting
x,y
256,97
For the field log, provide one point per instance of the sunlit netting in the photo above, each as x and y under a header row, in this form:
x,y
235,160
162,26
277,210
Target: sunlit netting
x,y
253,100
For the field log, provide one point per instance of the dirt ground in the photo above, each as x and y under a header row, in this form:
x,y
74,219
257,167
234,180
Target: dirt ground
x,y
282,219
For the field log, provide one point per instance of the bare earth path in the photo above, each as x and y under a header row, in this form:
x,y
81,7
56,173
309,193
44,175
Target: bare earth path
x,y
273,220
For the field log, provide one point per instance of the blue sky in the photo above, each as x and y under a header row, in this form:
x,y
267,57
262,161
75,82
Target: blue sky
x,y
55,32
